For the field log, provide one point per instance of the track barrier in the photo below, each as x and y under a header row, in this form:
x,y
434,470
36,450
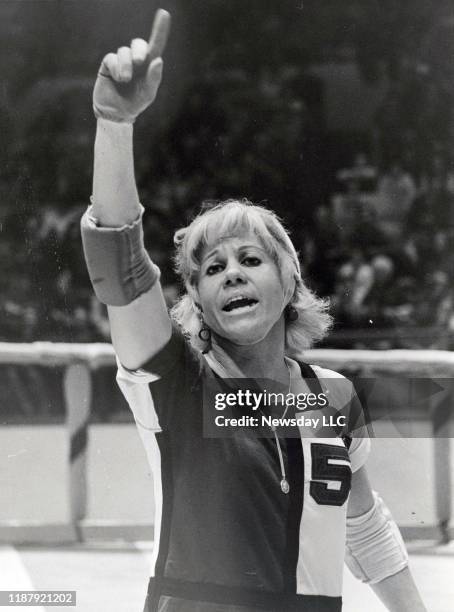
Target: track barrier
x,y
80,360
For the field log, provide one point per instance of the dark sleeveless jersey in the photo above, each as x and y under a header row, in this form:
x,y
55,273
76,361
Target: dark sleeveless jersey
x,y
227,539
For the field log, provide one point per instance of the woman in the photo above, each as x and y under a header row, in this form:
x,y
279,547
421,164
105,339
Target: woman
x,y
243,521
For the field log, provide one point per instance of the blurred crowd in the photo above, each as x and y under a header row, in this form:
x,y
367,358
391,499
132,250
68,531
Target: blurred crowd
x,y
381,247
375,232
387,243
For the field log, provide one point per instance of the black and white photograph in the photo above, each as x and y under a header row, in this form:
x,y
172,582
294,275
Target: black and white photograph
x,y
227,305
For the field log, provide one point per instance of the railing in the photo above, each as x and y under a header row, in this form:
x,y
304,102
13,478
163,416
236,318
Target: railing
x,y
79,360
401,336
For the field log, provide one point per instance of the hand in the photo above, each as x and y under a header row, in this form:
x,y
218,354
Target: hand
x,y
128,80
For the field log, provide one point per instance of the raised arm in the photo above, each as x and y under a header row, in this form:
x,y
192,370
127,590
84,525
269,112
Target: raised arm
x,y
126,85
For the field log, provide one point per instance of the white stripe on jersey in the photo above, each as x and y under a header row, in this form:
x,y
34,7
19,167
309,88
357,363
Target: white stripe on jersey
x,y
154,459
322,535
135,388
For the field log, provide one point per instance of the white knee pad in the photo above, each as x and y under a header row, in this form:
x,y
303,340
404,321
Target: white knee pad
x,y
375,548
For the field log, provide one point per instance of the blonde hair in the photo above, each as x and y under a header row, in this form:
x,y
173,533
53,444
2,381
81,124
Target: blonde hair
x,y
233,218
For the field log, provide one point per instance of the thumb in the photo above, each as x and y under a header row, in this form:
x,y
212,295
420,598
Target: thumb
x,y
154,74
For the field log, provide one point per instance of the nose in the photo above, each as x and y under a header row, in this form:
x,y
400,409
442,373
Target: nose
x,y
234,275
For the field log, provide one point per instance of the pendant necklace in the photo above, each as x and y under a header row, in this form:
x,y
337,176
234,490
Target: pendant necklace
x,y
285,486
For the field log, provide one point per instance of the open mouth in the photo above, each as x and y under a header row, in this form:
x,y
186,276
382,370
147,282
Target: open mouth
x,y
239,302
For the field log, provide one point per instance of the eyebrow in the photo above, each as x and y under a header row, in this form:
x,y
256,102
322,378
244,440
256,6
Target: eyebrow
x,y
251,246
210,253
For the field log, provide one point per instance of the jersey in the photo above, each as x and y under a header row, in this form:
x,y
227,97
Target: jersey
x,y
226,536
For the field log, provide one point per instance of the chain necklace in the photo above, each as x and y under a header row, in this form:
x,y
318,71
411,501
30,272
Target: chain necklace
x,y
285,486
217,367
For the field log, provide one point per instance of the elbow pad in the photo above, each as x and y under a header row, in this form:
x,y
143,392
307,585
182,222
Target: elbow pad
x,y
119,267
375,548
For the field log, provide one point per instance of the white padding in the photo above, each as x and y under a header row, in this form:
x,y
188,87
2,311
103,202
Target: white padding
x,y
375,548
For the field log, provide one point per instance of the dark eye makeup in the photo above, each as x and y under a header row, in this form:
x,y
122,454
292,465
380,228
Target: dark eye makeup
x,y
213,269
251,260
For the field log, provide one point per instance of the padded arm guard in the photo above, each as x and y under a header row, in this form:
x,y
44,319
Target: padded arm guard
x,y
375,549
119,267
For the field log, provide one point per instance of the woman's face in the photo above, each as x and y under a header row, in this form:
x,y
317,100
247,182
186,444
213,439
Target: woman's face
x,y
240,290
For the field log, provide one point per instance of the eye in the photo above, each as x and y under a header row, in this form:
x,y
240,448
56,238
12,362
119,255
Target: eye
x,y
251,261
213,269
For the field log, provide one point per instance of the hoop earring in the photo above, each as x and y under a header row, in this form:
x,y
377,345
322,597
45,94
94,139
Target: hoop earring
x,y
205,333
291,314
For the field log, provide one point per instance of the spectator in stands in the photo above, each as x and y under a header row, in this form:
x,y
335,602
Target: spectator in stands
x,y
440,195
362,174
322,250
354,280
370,293
397,192
435,305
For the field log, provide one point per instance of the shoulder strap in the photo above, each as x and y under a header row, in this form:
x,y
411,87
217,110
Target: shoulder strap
x,y
311,378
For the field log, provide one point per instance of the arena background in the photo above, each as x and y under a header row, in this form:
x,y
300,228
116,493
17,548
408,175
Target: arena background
x,y
338,115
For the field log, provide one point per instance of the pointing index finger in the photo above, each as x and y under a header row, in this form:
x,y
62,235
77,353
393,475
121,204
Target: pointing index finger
x,y
159,34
